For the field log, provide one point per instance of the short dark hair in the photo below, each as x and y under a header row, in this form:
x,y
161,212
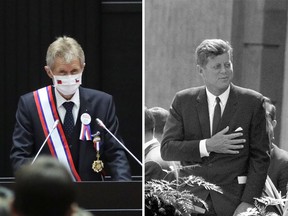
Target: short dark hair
x,y
149,121
44,188
160,116
211,48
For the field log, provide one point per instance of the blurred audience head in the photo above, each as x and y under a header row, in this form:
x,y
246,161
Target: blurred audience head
x,y
6,198
160,116
44,188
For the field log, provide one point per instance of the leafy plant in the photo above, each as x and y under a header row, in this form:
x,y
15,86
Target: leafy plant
x,y
168,198
261,205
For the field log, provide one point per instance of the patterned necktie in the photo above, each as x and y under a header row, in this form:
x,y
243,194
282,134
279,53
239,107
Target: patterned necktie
x,y
68,119
217,116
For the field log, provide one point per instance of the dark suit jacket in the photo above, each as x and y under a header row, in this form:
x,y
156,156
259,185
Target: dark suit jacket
x,y
188,123
28,136
278,169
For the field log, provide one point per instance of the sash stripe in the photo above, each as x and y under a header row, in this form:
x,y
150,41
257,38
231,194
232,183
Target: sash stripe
x,y
43,122
57,142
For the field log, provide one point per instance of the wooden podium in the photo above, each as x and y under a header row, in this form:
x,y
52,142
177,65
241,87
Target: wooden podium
x,y
106,198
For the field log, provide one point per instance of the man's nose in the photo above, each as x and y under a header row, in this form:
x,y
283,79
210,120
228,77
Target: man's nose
x,y
223,69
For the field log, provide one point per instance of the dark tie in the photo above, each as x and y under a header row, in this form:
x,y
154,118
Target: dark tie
x,y
217,116
68,119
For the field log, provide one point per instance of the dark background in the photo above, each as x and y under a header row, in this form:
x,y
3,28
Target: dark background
x,y
110,33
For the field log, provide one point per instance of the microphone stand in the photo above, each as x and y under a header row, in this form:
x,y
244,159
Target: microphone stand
x,y
53,128
101,124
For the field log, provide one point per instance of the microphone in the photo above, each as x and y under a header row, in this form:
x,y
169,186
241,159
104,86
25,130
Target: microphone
x,y
101,124
53,128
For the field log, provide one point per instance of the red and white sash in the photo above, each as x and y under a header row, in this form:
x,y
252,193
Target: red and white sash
x,y
57,142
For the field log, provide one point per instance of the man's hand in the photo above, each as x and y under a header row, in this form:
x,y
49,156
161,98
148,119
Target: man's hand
x,y
242,207
225,143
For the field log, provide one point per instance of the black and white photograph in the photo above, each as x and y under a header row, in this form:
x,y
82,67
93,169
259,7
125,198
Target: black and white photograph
x,y
215,77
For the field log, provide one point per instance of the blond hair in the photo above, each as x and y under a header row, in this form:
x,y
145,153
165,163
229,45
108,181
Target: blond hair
x,y
66,48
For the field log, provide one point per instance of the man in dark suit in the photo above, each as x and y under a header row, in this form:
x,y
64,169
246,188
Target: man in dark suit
x,y
222,128
278,169
76,108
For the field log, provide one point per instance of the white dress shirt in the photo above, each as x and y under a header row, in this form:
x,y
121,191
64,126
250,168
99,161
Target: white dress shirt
x,y
61,109
211,99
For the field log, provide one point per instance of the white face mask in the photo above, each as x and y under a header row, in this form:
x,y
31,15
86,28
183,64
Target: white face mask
x,y
67,85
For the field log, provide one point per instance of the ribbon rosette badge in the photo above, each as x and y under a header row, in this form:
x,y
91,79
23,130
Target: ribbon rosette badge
x,y
85,133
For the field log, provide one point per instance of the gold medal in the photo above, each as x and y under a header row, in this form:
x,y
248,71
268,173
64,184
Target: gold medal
x,y
97,166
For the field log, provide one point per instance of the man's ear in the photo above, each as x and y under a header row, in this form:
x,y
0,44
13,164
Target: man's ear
x,y
274,123
83,67
73,210
48,71
200,70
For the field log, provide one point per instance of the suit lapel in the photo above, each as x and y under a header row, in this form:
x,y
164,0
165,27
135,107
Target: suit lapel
x,y
202,109
86,106
230,108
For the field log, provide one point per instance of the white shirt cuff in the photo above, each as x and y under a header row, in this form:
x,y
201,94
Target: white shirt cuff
x,y
203,149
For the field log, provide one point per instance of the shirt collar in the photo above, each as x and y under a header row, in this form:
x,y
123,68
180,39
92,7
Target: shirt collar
x,y
223,97
150,142
60,100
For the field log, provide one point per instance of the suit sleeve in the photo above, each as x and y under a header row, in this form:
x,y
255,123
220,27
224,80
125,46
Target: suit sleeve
x,y
174,147
114,152
259,159
22,146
